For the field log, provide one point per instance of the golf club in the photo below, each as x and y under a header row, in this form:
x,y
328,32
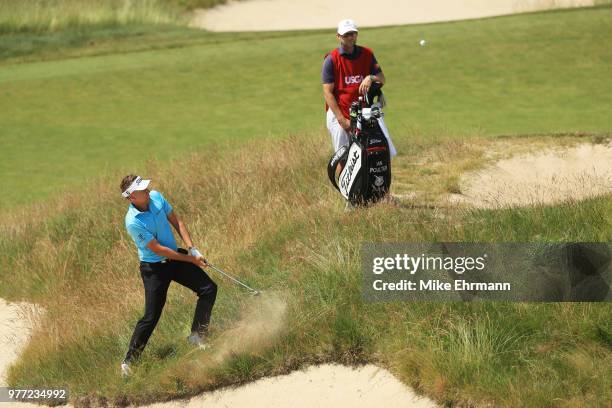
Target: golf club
x,y
251,290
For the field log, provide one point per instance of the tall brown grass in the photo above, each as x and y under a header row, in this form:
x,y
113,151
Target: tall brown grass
x,y
266,213
40,16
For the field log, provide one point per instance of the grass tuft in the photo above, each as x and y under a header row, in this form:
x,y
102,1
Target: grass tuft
x,y
44,16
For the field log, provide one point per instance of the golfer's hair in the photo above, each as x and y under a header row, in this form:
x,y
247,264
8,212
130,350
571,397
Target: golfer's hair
x,y
127,181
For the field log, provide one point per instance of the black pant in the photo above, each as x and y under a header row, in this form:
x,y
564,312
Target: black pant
x,y
156,278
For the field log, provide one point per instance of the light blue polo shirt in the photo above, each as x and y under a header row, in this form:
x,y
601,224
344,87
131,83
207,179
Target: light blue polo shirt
x,y
143,226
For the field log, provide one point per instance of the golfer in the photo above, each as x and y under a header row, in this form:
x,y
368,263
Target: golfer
x,y
348,71
148,221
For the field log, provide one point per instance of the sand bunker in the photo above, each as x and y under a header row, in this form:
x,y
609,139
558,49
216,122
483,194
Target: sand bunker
x,y
15,330
549,177
320,386
16,321
264,15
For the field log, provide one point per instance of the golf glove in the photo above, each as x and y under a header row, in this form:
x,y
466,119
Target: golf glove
x,y
193,251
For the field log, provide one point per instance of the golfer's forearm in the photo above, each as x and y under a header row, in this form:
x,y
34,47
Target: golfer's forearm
x,y
171,254
182,230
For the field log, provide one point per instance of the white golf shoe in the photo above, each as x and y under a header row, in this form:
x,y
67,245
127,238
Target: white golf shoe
x,y
196,340
126,371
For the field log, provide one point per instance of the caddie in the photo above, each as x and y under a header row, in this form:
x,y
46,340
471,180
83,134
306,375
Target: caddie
x,y
148,220
348,71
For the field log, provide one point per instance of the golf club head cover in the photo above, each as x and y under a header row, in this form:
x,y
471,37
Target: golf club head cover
x,y
374,91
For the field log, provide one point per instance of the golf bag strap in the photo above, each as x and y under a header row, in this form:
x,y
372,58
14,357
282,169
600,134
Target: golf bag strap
x,y
338,157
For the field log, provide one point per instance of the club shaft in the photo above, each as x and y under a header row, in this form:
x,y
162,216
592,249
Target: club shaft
x,y
231,277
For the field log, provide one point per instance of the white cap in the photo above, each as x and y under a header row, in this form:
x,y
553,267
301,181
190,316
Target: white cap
x,y
346,26
137,185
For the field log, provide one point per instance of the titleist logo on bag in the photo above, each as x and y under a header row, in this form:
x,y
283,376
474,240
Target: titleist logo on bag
x,y
349,174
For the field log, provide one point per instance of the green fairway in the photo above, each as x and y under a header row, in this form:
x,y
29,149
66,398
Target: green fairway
x,y
66,120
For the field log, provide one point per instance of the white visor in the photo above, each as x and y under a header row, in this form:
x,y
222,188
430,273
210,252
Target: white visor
x,y
137,185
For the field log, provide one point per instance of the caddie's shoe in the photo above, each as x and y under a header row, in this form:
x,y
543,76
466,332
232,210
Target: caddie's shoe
x,y
125,369
196,340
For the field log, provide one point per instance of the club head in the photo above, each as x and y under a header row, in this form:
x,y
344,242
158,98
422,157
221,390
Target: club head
x,y
256,293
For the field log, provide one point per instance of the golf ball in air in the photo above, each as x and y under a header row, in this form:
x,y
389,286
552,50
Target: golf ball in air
x,y
422,43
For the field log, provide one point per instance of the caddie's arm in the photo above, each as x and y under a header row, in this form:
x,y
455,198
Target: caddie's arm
x,y
380,77
169,253
367,82
330,99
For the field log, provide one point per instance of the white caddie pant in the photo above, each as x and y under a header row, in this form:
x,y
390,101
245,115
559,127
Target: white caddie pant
x,y
339,136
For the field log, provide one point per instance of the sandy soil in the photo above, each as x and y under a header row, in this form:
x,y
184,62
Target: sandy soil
x,y
15,329
547,177
320,386
264,15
